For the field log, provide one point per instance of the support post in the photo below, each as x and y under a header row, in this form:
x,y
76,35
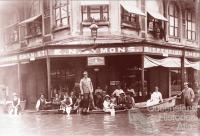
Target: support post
x,y
183,73
48,62
19,80
142,75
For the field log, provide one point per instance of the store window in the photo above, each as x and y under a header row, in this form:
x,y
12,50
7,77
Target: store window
x,y
130,19
190,25
175,81
173,20
97,13
61,10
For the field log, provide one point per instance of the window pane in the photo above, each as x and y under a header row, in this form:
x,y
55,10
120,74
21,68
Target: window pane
x,y
105,8
64,21
57,22
193,26
96,16
171,21
175,11
193,36
189,26
57,13
64,11
105,16
189,17
171,9
189,35
176,32
171,31
85,17
176,22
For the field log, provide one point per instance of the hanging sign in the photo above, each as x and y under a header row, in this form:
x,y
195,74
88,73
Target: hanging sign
x,y
96,61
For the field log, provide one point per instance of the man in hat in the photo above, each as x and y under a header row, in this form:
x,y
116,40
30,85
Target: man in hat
x,y
188,95
86,87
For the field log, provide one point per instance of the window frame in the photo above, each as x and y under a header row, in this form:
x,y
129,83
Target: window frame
x,y
87,12
10,33
58,4
192,30
128,21
174,17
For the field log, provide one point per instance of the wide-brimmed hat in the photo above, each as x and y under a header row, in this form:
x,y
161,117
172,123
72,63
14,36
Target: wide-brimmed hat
x,y
186,83
107,96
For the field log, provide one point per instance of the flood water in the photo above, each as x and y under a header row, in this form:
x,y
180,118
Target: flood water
x,y
124,124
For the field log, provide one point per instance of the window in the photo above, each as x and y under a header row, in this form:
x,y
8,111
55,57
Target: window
x,y
190,26
155,27
98,13
61,13
35,9
34,28
173,20
130,18
12,35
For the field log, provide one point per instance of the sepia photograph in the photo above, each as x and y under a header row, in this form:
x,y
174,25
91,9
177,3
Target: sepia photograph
x,y
99,67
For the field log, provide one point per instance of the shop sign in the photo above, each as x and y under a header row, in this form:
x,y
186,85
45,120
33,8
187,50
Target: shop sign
x,y
8,59
111,50
114,82
96,61
163,51
33,55
192,54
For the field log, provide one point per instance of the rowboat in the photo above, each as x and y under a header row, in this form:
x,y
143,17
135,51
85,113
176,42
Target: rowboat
x,y
167,104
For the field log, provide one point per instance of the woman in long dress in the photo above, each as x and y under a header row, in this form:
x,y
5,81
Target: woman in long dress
x,y
156,97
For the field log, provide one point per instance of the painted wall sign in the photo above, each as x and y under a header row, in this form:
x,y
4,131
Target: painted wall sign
x,y
111,50
8,59
96,61
164,51
192,54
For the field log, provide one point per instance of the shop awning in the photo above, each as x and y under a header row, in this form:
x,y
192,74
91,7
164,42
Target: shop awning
x,y
7,65
30,19
157,15
131,8
153,8
94,2
190,64
169,62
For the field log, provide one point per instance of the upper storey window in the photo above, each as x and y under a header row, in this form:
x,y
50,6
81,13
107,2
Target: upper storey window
x,y
173,20
190,25
61,10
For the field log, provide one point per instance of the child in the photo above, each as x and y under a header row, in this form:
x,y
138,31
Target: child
x,y
107,105
76,106
121,101
85,104
66,104
56,102
16,108
130,102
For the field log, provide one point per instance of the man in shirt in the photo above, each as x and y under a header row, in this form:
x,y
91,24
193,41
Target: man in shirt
x,y
188,95
86,87
117,91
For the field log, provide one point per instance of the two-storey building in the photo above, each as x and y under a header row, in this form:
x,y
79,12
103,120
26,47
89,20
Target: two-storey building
x,y
47,44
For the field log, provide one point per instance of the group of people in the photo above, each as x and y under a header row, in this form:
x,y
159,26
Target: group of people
x,y
88,99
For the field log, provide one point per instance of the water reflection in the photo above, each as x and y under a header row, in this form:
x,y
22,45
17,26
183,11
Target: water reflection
x,y
58,124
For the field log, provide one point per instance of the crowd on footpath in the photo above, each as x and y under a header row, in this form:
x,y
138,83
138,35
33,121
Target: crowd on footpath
x,y
86,99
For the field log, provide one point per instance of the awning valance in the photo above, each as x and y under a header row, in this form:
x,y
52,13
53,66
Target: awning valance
x,y
157,15
194,65
7,65
30,19
94,2
169,62
131,8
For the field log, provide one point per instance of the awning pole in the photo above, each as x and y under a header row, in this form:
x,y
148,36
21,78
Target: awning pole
x,y
19,80
48,62
183,73
142,74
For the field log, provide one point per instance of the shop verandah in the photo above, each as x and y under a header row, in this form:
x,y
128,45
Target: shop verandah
x,y
62,68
